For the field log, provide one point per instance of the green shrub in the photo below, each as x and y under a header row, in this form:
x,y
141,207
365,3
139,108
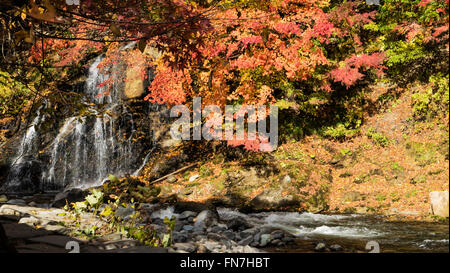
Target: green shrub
x,y
377,137
13,96
339,132
433,101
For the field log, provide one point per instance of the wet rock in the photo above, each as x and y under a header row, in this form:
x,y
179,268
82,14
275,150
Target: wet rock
x,y
257,238
249,249
265,239
238,223
229,234
25,176
277,234
179,225
19,202
212,246
188,227
320,247
439,203
288,239
214,236
205,219
202,249
218,229
188,247
277,242
69,196
336,248
248,232
179,237
31,221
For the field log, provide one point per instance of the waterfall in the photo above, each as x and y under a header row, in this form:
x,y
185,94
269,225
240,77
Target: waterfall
x,y
28,141
87,147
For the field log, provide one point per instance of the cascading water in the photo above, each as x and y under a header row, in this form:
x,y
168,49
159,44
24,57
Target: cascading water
x,y
23,164
94,149
87,147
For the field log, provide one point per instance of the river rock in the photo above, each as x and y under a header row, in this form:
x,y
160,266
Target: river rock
x,y
246,241
265,239
249,249
217,229
205,219
320,247
188,227
186,215
336,248
179,237
212,246
238,223
202,249
214,236
248,232
277,234
188,247
19,202
229,234
3,199
31,221
439,203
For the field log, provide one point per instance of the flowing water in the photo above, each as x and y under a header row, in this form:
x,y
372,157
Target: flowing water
x,y
350,231
87,147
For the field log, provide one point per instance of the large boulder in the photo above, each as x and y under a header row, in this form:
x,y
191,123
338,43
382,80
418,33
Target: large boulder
x,y
439,203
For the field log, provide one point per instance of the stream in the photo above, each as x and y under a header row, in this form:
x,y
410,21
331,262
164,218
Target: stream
x,y
350,231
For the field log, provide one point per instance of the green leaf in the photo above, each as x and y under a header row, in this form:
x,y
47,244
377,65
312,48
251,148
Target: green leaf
x,y
113,178
166,240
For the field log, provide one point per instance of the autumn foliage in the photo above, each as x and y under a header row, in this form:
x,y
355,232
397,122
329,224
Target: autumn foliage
x,y
246,51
